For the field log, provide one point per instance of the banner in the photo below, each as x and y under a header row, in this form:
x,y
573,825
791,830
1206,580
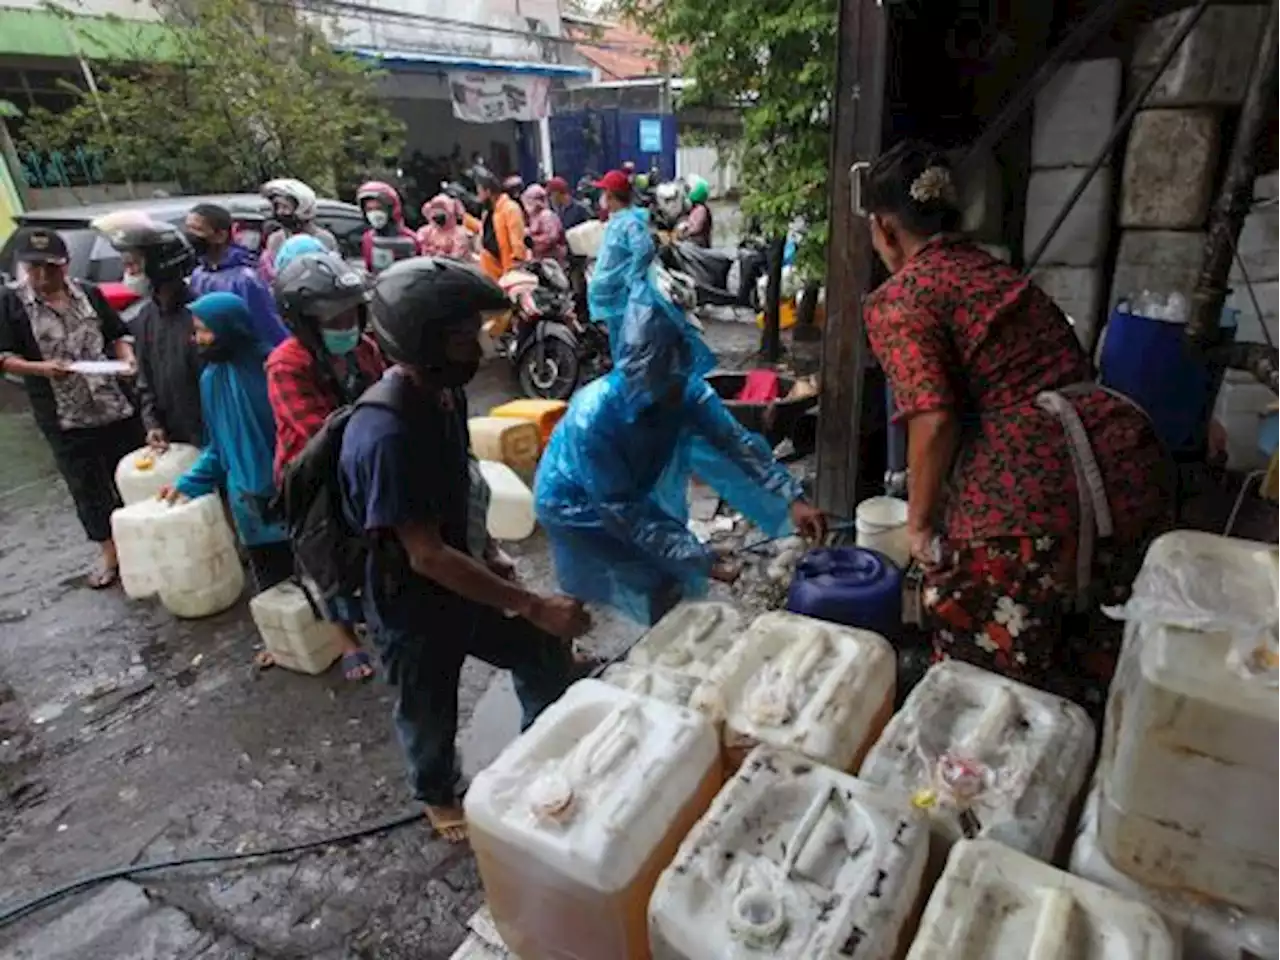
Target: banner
x,y
496,97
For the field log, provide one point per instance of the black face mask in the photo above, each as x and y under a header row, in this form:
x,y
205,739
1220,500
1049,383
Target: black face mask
x,y
215,352
289,221
198,243
439,219
454,374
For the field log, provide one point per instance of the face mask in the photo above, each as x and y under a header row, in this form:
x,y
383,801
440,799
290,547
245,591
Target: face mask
x,y
458,374
138,284
249,239
289,221
439,219
340,342
377,218
198,243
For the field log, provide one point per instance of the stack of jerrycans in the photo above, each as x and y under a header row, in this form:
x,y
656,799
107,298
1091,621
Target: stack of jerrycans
x,y
1183,810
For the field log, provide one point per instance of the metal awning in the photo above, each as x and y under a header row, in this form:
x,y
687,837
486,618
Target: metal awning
x,y
422,60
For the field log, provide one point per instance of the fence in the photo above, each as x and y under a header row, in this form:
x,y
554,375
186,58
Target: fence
x,y
720,172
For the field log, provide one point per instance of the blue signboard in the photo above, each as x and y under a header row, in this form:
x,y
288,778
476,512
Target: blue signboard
x,y
650,135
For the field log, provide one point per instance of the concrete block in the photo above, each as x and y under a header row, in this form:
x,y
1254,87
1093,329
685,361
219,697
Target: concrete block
x,y
1074,113
1078,293
1169,170
1081,239
1211,67
1258,244
1162,261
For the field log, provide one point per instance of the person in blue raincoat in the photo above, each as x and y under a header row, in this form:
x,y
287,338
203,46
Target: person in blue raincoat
x,y
625,253
240,433
601,490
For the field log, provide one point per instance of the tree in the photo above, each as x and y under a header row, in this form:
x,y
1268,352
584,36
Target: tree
x,y
776,60
236,93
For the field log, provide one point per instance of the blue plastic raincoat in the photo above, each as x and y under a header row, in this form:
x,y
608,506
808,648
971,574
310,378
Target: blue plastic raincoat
x,y
625,255
240,432
611,488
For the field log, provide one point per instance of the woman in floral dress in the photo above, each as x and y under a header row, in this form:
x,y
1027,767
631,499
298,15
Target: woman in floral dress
x,y
1032,492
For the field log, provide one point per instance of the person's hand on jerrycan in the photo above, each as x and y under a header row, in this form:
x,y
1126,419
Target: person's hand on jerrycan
x,y
810,522
560,616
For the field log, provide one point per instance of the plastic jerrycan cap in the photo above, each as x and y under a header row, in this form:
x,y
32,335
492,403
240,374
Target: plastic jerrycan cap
x,y
757,917
551,797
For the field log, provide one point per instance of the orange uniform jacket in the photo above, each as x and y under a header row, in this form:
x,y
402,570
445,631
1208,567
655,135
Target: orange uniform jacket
x,y
508,230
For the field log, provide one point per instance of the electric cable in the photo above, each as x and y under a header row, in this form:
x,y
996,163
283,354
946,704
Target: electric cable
x,y
11,915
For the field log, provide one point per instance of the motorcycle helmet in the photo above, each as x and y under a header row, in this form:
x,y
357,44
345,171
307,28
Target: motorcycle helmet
x,y
303,197
699,190
166,253
513,186
417,303
384,193
669,198
318,285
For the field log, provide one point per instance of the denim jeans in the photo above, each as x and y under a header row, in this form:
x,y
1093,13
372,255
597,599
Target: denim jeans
x,y
425,666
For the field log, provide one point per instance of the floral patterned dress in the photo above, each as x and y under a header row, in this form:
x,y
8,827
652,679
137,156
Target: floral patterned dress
x,y
958,330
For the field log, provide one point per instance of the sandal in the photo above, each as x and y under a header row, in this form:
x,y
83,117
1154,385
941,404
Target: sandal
x,y
102,577
357,666
448,822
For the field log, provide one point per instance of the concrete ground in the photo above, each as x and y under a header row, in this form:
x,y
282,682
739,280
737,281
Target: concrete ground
x,y
127,735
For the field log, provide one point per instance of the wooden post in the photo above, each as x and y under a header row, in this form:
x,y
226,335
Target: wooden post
x,y
856,130
771,336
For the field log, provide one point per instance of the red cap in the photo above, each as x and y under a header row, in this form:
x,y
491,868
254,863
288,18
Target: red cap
x,y
557,185
615,181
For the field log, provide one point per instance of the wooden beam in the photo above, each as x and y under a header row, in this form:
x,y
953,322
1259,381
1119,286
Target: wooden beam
x,y
856,131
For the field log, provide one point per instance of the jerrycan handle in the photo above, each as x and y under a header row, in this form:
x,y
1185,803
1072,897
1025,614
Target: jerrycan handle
x,y
600,752
807,823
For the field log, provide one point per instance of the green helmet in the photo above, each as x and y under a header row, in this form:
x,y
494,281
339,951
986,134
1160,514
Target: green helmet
x,y
641,182
699,190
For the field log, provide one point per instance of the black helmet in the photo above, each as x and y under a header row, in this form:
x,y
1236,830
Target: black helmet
x,y
482,176
318,285
166,253
417,302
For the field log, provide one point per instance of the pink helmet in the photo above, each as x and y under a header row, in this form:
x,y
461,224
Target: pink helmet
x,y
377,190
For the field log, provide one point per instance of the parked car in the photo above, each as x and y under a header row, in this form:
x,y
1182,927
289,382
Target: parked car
x,y
95,260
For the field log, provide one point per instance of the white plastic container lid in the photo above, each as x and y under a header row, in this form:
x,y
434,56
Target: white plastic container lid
x,y
806,685
994,903
988,756
595,784
792,860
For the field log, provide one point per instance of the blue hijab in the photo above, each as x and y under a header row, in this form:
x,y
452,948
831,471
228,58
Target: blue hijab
x,y
239,426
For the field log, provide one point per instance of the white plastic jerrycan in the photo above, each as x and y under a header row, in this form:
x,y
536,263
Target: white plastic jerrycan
x,y
510,514
1188,771
185,552
141,475
986,756
801,684
573,822
1206,930
294,636
994,903
796,861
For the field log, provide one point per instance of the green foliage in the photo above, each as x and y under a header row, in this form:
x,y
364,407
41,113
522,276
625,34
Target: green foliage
x,y
777,60
235,94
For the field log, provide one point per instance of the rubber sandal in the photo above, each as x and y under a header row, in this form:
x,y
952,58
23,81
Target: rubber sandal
x,y
357,666
102,578
451,829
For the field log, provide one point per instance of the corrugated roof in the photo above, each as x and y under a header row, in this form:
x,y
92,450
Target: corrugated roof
x,y
617,51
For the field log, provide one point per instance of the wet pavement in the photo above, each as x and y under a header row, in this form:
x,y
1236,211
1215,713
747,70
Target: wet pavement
x,y
127,735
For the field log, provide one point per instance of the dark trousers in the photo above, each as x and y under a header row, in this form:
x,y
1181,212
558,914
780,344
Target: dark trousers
x,y
87,458
425,668
269,564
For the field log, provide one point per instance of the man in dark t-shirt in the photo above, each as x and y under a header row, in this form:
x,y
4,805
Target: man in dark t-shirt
x,y
405,481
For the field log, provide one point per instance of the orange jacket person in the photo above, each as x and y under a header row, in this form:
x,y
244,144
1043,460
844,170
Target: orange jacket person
x,y
502,243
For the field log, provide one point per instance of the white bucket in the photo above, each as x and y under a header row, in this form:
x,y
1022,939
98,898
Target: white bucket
x,y
881,523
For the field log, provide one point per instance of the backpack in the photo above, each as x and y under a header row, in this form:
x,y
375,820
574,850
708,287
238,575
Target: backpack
x,y
329,554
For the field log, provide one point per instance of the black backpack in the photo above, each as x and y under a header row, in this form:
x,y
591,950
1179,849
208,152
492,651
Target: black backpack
x,y
329,554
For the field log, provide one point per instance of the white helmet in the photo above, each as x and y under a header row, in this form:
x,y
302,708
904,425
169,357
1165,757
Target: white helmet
x,y
303,197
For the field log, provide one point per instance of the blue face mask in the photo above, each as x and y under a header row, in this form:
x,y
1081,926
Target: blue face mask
x,y
341,342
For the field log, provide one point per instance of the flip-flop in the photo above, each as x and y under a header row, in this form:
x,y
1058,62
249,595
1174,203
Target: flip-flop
x,y
102,578
357,666
451,829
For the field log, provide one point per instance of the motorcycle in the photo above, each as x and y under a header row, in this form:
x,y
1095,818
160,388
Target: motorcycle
x,y
550,349
721,278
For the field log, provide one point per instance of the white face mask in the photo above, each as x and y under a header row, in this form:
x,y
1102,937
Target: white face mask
x,y
377,218
138,284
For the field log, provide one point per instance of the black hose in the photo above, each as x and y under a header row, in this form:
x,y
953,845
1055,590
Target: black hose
x,y
15,913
